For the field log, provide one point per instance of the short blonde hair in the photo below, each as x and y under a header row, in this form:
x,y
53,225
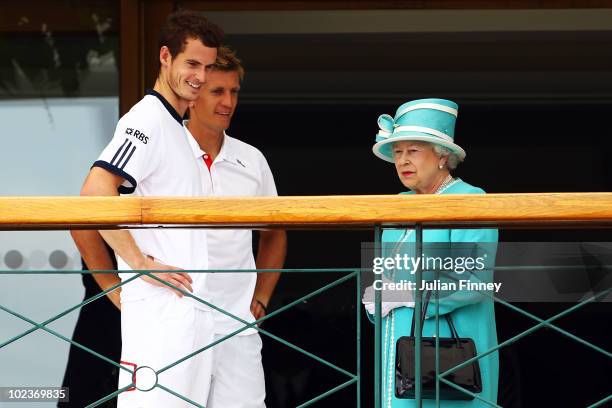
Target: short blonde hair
x,y
227,61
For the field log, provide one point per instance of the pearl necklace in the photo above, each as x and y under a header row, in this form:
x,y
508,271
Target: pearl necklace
x,y
447,181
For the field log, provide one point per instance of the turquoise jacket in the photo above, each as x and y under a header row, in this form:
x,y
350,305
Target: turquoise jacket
x,y
471,311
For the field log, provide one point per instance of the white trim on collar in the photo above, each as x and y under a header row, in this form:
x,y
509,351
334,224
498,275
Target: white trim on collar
x,y
227,152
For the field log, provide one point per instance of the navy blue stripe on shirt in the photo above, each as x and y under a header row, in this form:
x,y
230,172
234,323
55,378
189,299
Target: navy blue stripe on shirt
x,y
119,151
167,105
128,158
119,172
122,155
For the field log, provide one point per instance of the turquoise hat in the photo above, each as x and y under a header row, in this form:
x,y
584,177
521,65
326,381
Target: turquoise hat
x,y
426,120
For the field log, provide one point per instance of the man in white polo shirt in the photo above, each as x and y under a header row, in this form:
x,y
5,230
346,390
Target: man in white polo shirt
x,y
230,167
150,155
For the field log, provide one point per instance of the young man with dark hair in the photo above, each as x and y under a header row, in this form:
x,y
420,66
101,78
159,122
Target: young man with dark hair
x,y
230,167
149,155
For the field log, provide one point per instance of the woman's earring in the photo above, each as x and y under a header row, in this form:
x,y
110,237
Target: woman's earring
x,y
441,167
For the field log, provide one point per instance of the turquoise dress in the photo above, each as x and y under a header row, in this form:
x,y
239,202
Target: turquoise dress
x,y
471,311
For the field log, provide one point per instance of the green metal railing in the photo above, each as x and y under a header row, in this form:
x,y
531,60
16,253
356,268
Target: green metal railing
x,y
353,378
349,275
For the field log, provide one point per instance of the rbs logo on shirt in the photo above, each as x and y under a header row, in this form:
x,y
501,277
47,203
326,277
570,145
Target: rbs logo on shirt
x,y
137,134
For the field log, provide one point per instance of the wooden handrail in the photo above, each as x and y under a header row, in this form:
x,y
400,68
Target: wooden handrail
x,y
565,209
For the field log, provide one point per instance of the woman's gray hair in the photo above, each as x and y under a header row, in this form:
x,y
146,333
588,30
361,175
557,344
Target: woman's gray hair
x,y
452,160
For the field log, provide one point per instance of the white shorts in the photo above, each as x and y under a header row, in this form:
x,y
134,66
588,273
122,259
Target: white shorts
x,y
237,377
156,332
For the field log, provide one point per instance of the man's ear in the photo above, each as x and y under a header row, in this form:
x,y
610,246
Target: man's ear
x,y
165,58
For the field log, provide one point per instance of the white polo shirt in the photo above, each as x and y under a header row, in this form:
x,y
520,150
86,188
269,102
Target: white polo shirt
x,y
238,170
152,153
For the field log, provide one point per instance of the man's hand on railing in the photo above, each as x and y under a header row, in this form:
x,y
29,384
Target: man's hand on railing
x,y
181,280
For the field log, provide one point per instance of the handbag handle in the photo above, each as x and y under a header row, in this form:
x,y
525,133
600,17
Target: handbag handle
x,y
451,325
423,313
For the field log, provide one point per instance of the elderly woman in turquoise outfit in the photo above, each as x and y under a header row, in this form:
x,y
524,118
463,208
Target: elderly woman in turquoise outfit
x,y
419,140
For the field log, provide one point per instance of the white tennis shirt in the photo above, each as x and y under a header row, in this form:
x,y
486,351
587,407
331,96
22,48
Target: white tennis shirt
x,y
238,170
151,151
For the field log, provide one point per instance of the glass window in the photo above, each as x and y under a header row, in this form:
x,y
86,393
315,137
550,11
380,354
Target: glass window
x,y
59,49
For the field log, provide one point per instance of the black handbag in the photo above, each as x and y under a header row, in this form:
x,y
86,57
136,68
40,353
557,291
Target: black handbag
x,y
453,351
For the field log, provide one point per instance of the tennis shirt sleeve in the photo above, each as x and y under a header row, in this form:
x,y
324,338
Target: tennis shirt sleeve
x,y
268,187
133,153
